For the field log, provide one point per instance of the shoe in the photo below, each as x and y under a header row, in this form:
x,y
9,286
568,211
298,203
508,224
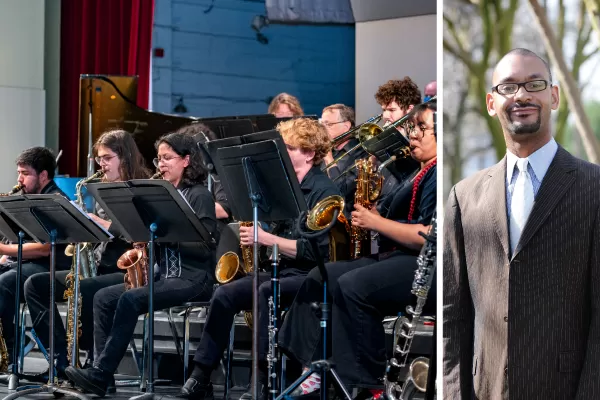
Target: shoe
x,y
111,388
196,390
92,380
262,392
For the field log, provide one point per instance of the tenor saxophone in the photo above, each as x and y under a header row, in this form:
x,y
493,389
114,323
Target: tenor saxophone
x,y
87,268
368,189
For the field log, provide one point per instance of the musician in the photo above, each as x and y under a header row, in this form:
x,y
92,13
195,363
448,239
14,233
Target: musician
x,y
338,119
367,289
396,98
430,90
307,143
120,160
285,105
201,133
522,256
35,169
186,269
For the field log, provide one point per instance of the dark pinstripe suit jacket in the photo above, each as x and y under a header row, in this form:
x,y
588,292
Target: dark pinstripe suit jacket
x,y
528,325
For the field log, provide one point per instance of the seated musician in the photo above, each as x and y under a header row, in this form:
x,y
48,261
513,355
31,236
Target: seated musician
x,y
120,160
338,119
285,105
186,269
35,169
396,98
367,289
307,143
221,204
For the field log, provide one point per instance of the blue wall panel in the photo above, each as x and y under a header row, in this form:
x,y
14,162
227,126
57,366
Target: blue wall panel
x,y
214,61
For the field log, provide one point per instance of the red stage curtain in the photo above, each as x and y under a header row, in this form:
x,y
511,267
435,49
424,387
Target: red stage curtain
x,y
111,37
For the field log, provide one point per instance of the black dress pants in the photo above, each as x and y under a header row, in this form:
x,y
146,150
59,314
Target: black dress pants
x,y
232,298
362,298
8,280
116,313
300,333
37,296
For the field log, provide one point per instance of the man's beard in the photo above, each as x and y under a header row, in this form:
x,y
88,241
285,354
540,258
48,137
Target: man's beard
x,y
520,127
33,190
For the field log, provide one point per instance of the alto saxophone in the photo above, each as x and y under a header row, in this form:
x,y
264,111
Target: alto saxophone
x,y
416,381
135,261
87,268
3,349
368,189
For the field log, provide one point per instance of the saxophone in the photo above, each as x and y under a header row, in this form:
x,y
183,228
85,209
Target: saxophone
x,y
229,268
368,189
87,265
3,349
416,381
135,261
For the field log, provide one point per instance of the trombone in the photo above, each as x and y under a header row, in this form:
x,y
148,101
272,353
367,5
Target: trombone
x,y
362,132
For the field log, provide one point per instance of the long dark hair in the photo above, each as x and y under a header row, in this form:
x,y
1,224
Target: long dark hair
x,y
185,145
122,144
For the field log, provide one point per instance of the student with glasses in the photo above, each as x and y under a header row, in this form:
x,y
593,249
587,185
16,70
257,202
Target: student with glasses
x,y
338,119
118,157
185,270
522,256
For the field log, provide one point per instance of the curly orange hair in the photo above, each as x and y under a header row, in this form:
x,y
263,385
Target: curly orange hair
x,y
306,134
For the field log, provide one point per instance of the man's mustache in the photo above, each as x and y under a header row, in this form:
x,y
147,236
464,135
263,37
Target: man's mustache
x,y
517,106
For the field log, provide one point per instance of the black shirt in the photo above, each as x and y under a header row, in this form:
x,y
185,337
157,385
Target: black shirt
x,y
315,186
196,259
425,204
347,183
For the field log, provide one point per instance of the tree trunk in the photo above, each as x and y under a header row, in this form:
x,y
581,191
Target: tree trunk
x,y
590,143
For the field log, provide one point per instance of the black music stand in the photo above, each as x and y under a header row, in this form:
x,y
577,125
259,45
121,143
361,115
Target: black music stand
x,y
262,184
48,218
150,210
13,232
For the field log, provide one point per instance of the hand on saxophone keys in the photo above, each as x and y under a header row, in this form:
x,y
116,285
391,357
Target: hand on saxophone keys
x,y
247,235
365,218
127,281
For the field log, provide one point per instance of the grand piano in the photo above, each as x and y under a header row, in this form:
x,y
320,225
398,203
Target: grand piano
x,y
109,102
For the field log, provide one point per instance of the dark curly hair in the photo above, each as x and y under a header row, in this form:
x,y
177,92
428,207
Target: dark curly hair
x,y
404,92
185,145
132,162
38,158
195,129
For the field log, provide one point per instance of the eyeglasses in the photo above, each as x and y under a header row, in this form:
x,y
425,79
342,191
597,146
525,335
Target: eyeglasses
x,y
512,88
165,159
105,159
417,131
329,124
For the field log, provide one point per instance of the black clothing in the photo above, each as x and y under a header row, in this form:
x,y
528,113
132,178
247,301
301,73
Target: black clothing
x,y
347,183
186,273
236,296
300,333
8,276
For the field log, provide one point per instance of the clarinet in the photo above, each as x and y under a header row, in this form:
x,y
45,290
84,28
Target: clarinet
x,y
274,311
416,381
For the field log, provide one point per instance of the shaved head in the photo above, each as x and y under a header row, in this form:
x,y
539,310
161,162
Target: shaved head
x,y
519,52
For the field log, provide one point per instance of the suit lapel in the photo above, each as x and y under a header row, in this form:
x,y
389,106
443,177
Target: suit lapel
x,y
557,181
496,197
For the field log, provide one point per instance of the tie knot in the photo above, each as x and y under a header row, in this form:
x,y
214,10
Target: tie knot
x,y
522,164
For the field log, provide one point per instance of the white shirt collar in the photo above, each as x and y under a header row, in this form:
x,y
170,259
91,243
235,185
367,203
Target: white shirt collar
x,y
540,160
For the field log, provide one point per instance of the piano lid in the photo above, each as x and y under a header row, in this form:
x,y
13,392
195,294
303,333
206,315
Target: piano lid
x,y
112,102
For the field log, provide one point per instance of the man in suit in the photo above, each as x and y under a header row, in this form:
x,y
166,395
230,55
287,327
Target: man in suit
x,y
522,257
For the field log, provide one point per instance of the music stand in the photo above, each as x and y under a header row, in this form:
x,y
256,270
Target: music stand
x,y
48,218
262,184
11,231
150,210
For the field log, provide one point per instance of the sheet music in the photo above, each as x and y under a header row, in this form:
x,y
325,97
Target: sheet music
x,y
85,214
